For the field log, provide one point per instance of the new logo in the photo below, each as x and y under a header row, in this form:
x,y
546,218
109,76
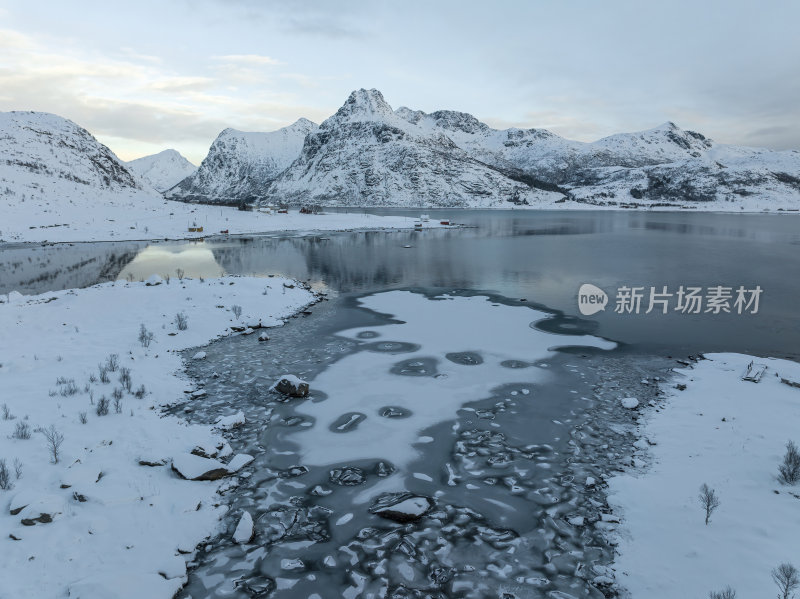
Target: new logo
x,y
591,299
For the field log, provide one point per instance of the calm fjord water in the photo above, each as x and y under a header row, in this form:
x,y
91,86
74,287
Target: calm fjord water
x,y
541,256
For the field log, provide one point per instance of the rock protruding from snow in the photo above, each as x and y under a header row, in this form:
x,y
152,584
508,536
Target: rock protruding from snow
x,y
231,421
290,385
193,467
629,403
244,530
240,166
162,171
402,507
239,461
201,355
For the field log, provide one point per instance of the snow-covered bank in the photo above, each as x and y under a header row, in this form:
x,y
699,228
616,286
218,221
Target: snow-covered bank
x,y
123,522
729,434
141,217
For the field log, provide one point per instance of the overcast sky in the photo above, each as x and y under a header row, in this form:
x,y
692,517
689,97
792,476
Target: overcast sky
x,y
148,75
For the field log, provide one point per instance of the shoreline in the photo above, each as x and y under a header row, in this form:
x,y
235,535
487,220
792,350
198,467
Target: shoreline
x,y
114,479
709,427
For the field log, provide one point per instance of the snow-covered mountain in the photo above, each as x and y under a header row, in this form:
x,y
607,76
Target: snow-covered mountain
x,y
370,155
665,165
44,155
162,171
59,182
240,166
366,154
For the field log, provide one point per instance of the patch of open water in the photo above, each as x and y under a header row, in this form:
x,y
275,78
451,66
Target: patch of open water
x,y
504,454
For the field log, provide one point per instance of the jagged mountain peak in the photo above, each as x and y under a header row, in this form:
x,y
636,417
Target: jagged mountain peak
x,y
361,105
302,123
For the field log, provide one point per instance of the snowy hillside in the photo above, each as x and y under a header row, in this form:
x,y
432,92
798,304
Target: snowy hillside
x,y
241,165
162,171
44,154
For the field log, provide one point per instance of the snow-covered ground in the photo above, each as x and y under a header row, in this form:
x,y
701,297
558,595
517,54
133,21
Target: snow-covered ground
x,y
119,528
140,216
729,434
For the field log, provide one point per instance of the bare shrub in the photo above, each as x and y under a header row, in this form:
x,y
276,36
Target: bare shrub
x,y
140,392
180,273
118,403
83,418
790,469
182,321
6,412
237,311
5,476
102,406
726,593
125,378
117,393
54,441
92,378
708,500
22,431
787,579
112,362
104,374
68,388
145,336
17,468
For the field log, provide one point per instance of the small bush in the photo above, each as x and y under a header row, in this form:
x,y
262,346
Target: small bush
x,y
22,431
708,500
17,468
118,404
5,476
83,418
117,393
726,593
6,412
182,321
237,311
125,378
180,273
102,406
790,469
145,336
112,362
68,388
54,440
92,378
104,378
140,392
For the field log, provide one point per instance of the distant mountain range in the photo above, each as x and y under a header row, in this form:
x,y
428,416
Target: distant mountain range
x,y
368,154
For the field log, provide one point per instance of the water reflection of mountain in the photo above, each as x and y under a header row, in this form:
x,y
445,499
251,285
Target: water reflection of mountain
x,y
355,261
36,269
192,259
